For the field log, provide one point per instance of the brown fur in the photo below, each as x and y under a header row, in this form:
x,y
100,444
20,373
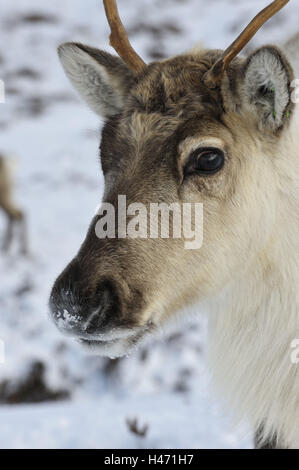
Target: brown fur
x,y
140,154
167,104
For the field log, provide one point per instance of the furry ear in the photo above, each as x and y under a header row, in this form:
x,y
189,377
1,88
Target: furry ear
x,y
266,87
101,79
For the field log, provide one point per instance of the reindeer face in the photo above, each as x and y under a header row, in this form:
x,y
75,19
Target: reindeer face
x,y
170,139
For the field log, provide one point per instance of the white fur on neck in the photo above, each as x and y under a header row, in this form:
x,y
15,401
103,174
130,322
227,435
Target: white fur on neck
x,y
255,318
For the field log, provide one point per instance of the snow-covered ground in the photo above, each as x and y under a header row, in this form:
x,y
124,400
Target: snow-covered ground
x,y
54,139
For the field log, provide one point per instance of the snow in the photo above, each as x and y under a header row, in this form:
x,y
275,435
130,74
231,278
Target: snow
x,y
54,140
102,424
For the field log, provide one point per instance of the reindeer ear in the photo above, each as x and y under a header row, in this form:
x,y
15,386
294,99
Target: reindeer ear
x,y
101,79
266,87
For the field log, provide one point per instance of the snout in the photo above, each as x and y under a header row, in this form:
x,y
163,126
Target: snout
x,y
93,313
83,310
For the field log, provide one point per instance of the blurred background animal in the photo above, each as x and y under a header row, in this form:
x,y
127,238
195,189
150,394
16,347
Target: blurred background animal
x,y
15,215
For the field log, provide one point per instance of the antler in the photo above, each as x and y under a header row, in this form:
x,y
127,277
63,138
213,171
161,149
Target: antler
x,y
119,39
214,76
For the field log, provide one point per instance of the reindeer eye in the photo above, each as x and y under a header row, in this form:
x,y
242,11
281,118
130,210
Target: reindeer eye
x,y
205,161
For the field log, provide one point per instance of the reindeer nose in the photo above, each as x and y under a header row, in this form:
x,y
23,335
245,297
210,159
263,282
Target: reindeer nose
x,y
80,312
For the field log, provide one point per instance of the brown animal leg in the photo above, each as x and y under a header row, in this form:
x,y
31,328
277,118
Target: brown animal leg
x,y
15,216
23,235
8,234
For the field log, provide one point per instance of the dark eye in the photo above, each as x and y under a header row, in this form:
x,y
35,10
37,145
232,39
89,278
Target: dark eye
x,y
205,161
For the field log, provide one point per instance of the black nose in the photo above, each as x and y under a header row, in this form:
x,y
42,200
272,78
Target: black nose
x,y
80,310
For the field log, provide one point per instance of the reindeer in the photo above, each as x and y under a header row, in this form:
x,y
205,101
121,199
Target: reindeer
x,y
13,213
212,127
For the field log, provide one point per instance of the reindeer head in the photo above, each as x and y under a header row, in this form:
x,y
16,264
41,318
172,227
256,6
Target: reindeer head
x,y
203,127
